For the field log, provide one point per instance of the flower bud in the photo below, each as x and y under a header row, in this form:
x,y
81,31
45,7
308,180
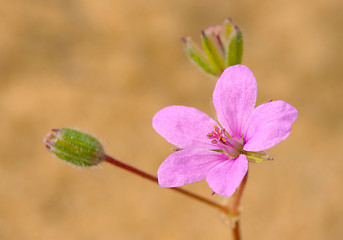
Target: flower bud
x,y
222,47
75,147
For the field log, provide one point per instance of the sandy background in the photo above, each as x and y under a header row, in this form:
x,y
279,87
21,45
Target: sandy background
x,y
107,67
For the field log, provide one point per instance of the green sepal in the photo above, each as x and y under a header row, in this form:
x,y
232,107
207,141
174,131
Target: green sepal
x,y
257,157
214,57
80,139
235,49
197,57
72,159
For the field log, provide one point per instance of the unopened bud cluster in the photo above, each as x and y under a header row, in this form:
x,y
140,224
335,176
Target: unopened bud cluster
x,y
75,147
222,46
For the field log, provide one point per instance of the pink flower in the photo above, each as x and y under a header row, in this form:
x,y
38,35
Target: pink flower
x,y
220,152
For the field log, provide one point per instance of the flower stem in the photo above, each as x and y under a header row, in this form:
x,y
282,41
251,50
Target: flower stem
x,y
234,208
150,177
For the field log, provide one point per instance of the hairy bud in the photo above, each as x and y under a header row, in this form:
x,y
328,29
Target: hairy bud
x,y
75,147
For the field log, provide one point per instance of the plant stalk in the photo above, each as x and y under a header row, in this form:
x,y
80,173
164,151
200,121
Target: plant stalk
x,y
234,209
150,177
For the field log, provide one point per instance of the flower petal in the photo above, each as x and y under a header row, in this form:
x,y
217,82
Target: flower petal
x,y
269,124
187,166
184,126
225,177
234,98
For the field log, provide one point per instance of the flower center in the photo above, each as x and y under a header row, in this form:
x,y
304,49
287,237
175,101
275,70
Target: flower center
x,y
222,139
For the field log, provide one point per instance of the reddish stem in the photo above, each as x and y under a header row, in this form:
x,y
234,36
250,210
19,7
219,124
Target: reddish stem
x,y
234,208
155,179
235,231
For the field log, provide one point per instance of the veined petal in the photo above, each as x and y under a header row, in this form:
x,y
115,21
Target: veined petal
x,y
269,124
225,177
187,166
234,98
184,126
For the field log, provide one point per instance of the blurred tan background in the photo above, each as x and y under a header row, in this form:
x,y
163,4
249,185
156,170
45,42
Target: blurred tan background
x,y
107,67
